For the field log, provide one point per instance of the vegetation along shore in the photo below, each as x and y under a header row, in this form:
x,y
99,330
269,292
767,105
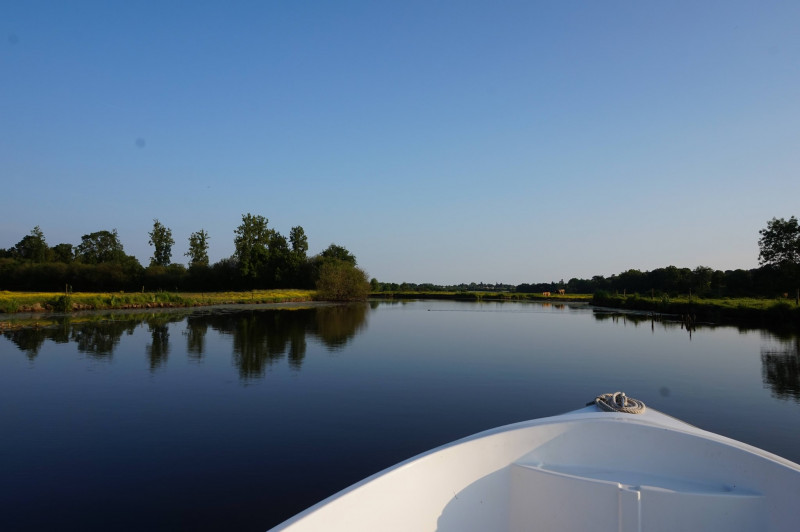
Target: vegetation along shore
x,y
268,268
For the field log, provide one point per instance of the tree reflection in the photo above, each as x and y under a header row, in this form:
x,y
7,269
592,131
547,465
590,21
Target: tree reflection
x,y
196,330
259,337
780,370
158,348
337,325
101,338
29,340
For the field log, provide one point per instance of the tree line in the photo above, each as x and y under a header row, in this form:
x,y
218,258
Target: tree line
x,y
263,259
777,276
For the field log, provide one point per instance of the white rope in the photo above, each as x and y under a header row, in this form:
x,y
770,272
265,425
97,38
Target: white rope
x,y
619,402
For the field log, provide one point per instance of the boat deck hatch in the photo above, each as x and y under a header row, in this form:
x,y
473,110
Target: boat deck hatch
x,y
583,498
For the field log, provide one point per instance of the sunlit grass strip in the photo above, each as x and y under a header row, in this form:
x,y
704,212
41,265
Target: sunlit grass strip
x,y
767,311
482,296
12,302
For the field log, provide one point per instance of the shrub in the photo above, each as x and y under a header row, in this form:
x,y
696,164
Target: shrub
x,y
342,281
62,303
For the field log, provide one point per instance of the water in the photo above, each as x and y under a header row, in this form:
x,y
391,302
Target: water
x,y
238,418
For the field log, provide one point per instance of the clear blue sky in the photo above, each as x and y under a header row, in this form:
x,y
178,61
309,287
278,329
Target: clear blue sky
x,y
440,142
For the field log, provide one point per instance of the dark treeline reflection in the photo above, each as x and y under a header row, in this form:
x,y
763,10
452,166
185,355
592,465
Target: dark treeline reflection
x,y
259,336
98,339
780,368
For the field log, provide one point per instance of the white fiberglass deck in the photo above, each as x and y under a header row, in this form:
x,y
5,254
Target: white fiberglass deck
x,y
587,470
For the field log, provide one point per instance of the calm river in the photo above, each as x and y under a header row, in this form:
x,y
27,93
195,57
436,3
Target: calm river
x,y
237,418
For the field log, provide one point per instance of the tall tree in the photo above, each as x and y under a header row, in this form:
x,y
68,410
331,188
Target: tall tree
x,y
299,240
32,247
780,243
161,240
279,261
99,247
252,245
198,249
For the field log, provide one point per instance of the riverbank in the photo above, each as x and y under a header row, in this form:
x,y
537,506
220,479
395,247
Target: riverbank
x,y
482,296
760,312
15,302
767,313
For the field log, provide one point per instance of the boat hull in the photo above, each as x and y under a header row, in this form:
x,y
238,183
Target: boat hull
x,y
586,470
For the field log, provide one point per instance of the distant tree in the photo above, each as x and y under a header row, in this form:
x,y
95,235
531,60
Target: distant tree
x,y
299,241
161,240
779,244
252,246
100,247
338,253
32,247
702,277
63,253
198,249
279,261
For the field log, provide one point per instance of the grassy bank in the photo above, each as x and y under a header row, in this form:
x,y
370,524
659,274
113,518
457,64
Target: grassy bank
x,y
13,302
481,296
763,312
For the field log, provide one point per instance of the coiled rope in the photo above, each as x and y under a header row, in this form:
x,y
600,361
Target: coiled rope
x,y
618,402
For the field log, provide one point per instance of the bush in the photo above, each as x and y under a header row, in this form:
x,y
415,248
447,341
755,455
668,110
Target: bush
x,y
62,303
342,281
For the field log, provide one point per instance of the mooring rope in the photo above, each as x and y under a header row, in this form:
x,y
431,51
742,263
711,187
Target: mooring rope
x,y
618,402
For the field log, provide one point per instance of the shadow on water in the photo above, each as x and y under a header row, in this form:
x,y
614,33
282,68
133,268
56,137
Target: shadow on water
x,y
259,337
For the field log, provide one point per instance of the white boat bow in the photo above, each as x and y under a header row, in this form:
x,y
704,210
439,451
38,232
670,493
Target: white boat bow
x,y
585,470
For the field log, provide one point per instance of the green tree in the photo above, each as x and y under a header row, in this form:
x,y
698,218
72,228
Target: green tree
x,y
342,281
198,249
779,244
32,247
63,253
100,247
338,253
279,263
299,241
161,240
252,246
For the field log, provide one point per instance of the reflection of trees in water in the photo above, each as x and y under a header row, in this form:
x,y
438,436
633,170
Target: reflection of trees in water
x,y
100,339
158,327
667,322
158,348
97,339
780,370
337,325
29,341
195,333
259,336
263,336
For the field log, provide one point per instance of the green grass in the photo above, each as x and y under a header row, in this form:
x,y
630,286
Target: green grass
x,y
766,312
13,302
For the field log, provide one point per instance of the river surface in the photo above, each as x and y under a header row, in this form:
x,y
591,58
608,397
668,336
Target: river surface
x,y
237,418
